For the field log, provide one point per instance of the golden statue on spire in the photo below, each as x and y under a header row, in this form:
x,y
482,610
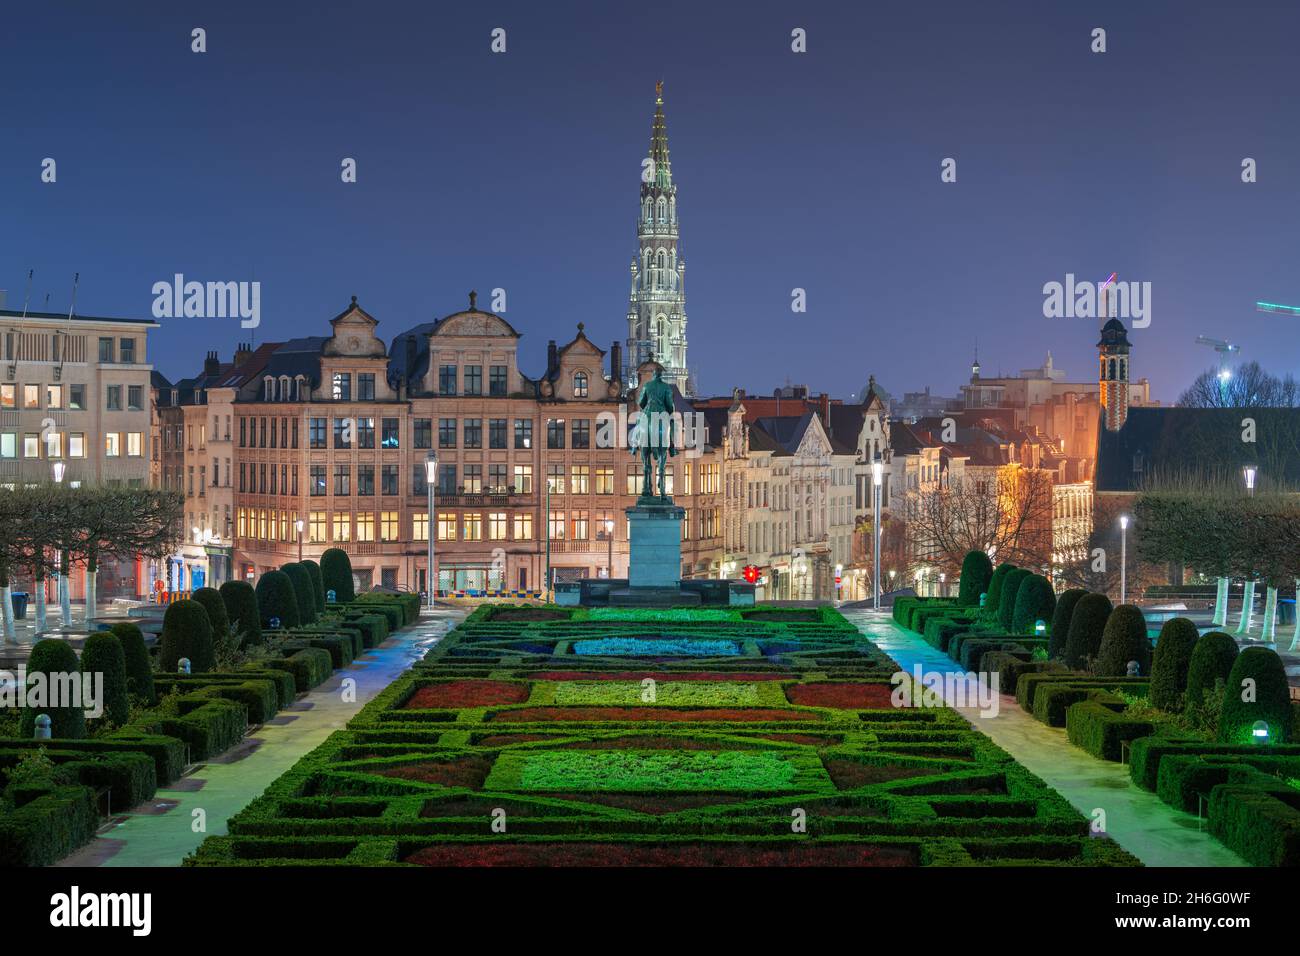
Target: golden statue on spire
x,y
659,89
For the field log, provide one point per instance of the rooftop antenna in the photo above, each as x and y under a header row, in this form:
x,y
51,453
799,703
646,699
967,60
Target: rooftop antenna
x,y
72,307
16,330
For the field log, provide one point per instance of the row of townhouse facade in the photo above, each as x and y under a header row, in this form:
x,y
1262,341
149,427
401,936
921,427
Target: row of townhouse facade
x,y
326,442
321,441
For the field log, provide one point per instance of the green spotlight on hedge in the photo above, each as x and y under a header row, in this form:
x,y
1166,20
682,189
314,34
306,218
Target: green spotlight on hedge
x,y
1040,628
1260,732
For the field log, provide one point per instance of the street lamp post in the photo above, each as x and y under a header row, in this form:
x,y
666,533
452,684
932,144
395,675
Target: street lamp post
x,y
547,526
298,524
877,479
65,598
1248,592
1123,559
430,480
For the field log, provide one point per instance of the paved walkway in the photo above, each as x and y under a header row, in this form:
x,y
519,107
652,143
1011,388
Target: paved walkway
x,y
160,832
1139,821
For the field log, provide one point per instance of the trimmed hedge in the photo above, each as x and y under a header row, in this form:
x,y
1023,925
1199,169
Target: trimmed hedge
x,y
1124,639
277,600
242,611
1257,821
309,667
1270,703
336,575
1087,624
102,654
317,583
1035,601
215,605
1010,591
139,666
1052,702
303,591
1100,730
995,588
374,627
1169,663
48,828
1211,662
187,632
53,657
1060,626
976,571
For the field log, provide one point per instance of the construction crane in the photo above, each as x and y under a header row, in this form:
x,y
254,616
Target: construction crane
x,y
1224,349
1276,308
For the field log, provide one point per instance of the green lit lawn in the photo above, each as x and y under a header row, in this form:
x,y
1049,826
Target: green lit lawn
x,y
730,770
667,693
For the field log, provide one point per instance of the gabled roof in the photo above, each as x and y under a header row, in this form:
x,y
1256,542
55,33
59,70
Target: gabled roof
x,y
249,368
398,355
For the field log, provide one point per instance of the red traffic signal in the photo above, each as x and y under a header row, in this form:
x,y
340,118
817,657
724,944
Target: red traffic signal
x,y
750,571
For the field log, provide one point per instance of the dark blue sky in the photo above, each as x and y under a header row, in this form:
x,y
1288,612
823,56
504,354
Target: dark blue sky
x,y
818,171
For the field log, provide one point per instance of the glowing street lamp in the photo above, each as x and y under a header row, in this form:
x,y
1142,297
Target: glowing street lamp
x,y
431,479
298,526
1123,559
877,480
58,469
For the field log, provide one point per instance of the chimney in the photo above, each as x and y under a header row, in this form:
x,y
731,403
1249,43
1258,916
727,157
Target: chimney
x,y
615,362
552,358
242,351
211,364
824,409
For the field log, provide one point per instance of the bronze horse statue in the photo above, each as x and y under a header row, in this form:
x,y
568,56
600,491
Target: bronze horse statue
x,y
654,434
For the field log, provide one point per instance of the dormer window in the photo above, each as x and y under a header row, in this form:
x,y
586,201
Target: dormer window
x,y
268,389
579,384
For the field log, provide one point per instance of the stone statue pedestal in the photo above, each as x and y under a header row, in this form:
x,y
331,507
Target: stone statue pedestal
x,y
654,556
654,543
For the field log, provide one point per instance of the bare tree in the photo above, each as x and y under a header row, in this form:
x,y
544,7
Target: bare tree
x,y
1009,516
1250,386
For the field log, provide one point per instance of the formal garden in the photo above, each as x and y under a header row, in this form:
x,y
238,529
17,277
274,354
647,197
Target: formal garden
x,y
541,735
226,660
1205,725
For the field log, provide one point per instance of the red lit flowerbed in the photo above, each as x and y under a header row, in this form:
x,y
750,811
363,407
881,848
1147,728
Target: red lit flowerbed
x,y
698,854
468,693
847,696
649,714
848,774
469,771
660,676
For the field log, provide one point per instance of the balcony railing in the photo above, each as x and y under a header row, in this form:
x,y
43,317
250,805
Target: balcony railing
x,y
483,500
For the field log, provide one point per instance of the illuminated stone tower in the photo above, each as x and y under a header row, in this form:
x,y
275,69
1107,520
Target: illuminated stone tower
x,y
1113,349
656,312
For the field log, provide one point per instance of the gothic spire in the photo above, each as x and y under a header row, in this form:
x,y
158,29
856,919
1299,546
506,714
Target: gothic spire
x,y
659,141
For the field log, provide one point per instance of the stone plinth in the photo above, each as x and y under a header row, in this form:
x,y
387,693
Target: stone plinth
x,y
655,544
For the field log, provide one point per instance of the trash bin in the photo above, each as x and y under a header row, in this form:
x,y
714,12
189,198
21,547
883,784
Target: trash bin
x,y
19,601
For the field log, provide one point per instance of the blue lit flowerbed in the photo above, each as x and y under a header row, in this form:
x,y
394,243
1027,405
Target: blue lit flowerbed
x,y
655,647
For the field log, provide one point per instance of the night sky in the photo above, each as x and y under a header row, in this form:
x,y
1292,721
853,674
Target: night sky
x,y
817,170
